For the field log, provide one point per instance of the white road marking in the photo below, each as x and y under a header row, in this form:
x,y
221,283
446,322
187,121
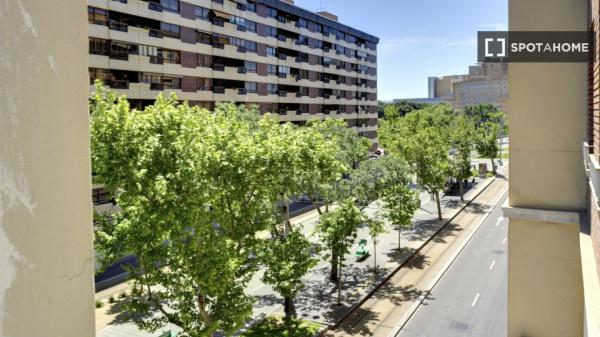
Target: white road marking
x,y
475,300
492,265
500,219
504,241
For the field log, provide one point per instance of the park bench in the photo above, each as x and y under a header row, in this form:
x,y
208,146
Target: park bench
x,y
362,251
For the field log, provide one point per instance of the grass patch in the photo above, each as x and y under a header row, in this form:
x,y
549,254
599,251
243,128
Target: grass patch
x,y
274,326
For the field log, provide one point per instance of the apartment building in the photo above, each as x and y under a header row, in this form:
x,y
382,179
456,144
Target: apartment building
x,y
269,53
485,83
480,91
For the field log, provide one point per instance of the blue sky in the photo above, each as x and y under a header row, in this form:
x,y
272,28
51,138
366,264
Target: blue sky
x,y
418,38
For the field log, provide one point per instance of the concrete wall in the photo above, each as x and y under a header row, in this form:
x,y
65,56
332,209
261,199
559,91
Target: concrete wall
x,y
46,265
547,127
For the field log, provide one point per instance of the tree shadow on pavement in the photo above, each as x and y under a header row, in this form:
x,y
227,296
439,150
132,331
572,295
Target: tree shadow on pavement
x,y
358,322
121,316
477,208
266,300
398,294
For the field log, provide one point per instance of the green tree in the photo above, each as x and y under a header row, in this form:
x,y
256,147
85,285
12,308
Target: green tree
x,y
462,139
195,187
490,125
400,109
350,148
422,139
287,259
400,203
337,231
376,228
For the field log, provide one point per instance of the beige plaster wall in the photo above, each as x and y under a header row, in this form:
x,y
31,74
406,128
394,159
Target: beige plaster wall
x,y
46,265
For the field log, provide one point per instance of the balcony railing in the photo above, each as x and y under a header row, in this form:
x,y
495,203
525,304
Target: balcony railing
x,y
119,84
592,168
115,25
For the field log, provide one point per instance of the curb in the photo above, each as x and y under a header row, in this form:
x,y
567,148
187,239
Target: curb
x,y
412,255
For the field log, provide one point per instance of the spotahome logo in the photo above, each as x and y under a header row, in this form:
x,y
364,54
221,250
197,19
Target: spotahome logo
x,y
533,46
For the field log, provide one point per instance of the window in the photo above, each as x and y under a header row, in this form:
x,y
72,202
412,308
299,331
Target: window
x,y
250,46
202,37
327,61
204,60
361,54
283,70
340,49
251,7
148,51
202,13
250,87
271,12
318,28
119,50
151,78
340,35
234,41
270,51
271,31
250,66
171,82
303,40
236,20
171,56
97,16
250,26
170,5
272,88
318,44
98,46
271,69
302,23
169,30
99,74
204,84
351,38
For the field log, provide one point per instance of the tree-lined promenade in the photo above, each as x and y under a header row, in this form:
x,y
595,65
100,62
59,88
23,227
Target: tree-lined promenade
x,y
197,186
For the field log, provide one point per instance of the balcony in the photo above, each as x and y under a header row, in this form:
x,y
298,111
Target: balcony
x,y
155,6
119,26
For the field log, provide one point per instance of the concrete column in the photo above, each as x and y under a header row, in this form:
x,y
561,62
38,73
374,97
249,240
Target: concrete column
x,y
547,127
46,256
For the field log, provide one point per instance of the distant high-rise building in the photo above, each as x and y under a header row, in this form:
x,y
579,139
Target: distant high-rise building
x,y
431,83
485,83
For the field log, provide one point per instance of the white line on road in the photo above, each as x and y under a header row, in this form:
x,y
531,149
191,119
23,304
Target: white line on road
x,y
493,264
500,219
475,300
504,241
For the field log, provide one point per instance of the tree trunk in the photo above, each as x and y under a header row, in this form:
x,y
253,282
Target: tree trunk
x,y
287,226
399,236
493,165
290,313
462,190
339,299
316,206
439,205
375,257
333,276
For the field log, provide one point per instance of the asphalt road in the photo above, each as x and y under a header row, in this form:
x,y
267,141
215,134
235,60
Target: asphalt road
x,y
470,299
